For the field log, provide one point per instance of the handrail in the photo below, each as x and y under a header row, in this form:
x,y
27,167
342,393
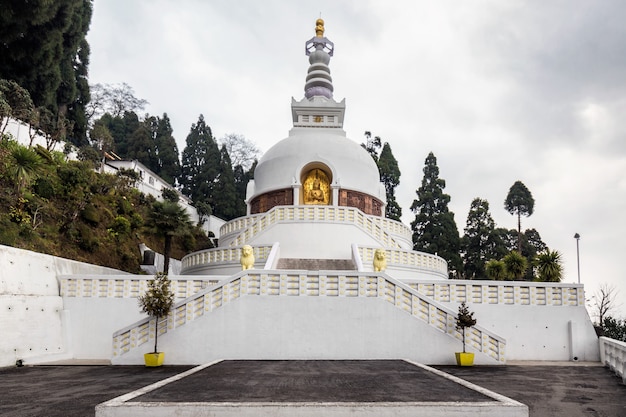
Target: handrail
x,y
408,258
310,284
502,292
334,214
613,355
127,286
226,255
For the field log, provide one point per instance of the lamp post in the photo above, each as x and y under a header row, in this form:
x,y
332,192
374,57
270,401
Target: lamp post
x,y
577,237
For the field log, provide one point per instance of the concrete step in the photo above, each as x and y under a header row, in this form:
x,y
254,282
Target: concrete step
x,y
316,264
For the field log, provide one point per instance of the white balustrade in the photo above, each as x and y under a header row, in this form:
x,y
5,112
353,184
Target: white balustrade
x,y
613,355
381,229
125,286
408,258
312,284
223,255
502,292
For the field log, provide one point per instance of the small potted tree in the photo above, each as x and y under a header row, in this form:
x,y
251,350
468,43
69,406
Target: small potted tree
x,y
156,302
464,319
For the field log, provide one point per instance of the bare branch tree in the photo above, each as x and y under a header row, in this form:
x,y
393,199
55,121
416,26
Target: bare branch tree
x,y
241,151
603,302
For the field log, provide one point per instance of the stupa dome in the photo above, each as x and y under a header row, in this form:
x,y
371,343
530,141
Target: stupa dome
x,y
349,165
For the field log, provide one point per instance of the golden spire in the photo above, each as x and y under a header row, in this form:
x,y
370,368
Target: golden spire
x,y
319,28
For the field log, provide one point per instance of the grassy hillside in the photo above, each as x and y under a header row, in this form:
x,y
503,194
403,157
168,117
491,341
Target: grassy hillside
x,y
64,208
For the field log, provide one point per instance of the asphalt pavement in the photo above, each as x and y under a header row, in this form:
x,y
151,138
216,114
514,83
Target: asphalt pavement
x,y
565,389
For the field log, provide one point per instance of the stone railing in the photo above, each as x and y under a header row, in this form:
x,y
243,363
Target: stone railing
x,y
330,214
502,292
125,286
237,225
310,284
408,258
223,255
613,355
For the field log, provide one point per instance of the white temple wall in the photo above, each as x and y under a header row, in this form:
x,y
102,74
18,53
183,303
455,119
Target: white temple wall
x,y
315,240
549,333
32,315
92,321
305,328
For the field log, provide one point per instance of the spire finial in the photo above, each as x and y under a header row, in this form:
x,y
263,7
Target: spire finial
x,y
319,28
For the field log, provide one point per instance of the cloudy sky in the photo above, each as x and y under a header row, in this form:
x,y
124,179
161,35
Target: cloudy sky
x,y
498,91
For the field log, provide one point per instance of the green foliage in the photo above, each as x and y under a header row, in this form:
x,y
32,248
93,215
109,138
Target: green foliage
x,y
15,102
24,167
495,270
372,145
516,265
480,241
434,229
90,214
390,177
614,328
549,266
200,165
121,227
464,319
519,201
225,203
169,194
166,220
45,51
157,301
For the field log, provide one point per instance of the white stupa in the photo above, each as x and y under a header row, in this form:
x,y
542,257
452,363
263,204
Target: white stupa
x,y
315,271
317,197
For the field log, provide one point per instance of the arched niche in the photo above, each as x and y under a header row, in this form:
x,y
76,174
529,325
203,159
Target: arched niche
x,y
316,179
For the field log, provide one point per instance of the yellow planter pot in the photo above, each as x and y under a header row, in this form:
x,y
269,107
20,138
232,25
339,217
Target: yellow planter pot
x,y
464,359
154,359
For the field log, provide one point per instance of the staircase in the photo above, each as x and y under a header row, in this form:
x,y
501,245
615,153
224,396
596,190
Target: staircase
x,y
316,264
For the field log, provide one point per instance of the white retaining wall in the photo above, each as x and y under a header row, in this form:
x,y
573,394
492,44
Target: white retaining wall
x,y
32,315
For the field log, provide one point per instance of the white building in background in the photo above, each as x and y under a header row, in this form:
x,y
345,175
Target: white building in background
x,y
151,184
331,277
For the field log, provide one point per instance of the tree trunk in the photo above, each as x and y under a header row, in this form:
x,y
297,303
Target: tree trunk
x,y
519,232
166,254
156,333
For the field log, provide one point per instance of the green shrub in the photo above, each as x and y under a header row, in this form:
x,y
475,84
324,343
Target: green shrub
x,y
120,226
44,188
91,215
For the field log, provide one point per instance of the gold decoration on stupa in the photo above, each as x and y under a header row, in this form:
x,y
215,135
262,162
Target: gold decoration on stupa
x,y
319,28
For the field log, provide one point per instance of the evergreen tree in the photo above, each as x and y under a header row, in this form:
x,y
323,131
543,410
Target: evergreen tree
x,y
434,229
200,166
372,145
480,241
43,48
241,185
168,164
225,205
141,147
390,176
121,129
519,202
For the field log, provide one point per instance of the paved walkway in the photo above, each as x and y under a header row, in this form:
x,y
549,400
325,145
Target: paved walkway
x,y
548,390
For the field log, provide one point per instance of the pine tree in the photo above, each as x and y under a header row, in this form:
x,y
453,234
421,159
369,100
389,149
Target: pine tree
x,y
43,48
519,201
434,229
200,166
225,205
478,243
242,178
141,147
168,164
390,176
